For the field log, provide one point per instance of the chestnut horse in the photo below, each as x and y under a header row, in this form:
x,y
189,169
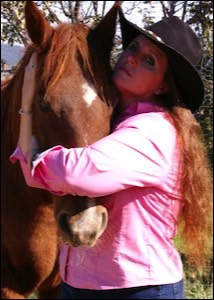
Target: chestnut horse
x,y
73,104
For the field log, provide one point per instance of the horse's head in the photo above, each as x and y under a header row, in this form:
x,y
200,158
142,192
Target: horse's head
x,y
73,103
74,95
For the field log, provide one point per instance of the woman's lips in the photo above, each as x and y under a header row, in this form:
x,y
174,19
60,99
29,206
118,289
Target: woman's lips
x,y
123,69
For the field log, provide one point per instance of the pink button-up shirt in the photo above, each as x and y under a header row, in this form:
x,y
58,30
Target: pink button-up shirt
x,y
135,170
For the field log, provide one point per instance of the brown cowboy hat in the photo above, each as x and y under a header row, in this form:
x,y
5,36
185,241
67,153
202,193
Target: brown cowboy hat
x,y
183,49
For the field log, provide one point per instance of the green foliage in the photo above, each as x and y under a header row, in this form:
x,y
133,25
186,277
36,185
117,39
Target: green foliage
x,y
12,15
197,13
13,23
201,15
198,284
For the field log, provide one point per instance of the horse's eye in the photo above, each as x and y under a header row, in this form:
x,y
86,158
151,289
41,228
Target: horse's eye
x,y
44,106
150,60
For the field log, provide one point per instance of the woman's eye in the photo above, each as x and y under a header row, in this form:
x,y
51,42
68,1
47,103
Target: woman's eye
x,y
150,60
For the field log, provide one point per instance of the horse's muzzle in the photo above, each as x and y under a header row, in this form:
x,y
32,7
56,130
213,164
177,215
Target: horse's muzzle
x,y
84,228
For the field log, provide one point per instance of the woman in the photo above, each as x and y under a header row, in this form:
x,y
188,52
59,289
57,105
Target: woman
x,y
151,171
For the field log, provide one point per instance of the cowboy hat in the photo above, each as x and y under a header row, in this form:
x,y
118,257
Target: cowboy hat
x,y
183,49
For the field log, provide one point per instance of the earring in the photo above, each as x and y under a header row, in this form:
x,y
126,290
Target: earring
x,y
158,92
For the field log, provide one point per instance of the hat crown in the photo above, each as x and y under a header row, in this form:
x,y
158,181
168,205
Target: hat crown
x,y
179,36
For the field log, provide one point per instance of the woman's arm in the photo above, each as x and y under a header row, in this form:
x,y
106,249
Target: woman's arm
x,y
138,154
28,87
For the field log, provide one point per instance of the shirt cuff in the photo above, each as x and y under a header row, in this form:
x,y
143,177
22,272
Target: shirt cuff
x,y
17,155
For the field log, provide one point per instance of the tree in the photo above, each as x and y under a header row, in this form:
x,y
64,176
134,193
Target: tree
x,y
12,22
12,15
197,13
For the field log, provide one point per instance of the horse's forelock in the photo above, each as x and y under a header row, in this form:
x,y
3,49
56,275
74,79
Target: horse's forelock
x,y
66,42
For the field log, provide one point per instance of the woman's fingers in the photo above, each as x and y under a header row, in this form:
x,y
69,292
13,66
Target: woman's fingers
x,y
32,62
29,83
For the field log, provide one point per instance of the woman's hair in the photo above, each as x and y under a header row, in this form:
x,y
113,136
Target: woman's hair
x,y
196,187
196,182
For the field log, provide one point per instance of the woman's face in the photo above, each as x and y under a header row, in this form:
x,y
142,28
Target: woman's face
x,y
140,70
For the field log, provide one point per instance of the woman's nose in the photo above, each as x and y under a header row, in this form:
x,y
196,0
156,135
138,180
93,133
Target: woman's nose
x,y
132,60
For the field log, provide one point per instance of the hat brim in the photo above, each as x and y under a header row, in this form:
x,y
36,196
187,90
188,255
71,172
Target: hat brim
x,y
186,77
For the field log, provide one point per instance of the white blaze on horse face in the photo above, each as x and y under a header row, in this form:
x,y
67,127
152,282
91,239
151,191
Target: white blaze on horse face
x,y
89,94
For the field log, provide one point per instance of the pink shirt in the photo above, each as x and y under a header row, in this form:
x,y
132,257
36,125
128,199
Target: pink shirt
x,y
135,170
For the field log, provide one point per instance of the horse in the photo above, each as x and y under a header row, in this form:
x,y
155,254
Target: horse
x,y
73,105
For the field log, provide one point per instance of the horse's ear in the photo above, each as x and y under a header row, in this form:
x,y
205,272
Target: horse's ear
x,y
37,26
104,32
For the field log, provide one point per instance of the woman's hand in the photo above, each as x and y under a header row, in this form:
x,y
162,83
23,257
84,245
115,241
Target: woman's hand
x,y
28,87
26,122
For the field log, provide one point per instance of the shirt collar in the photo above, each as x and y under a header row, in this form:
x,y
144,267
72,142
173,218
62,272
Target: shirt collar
x,y
139,108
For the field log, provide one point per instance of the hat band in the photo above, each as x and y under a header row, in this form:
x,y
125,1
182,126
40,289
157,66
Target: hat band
x,y
155,36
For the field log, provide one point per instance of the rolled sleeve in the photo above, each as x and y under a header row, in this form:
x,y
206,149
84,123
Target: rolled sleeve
x,y
31,180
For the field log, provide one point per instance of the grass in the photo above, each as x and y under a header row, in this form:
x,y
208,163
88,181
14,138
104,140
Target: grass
x,y
33,296
199,285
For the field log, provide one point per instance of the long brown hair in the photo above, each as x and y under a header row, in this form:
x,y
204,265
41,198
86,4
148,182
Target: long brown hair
x,y
196,187
195,179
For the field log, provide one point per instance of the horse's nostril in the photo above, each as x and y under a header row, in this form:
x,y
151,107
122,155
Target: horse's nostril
x,y
63,223
68,237
76,241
